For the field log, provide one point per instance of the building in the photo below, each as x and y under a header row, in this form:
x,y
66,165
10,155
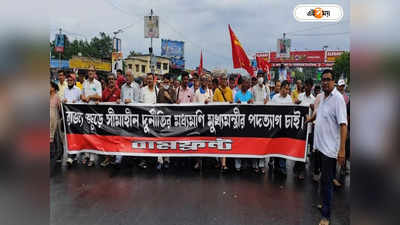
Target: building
x,y
140,65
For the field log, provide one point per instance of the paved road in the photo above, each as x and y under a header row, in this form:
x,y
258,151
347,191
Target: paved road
x,y
184,197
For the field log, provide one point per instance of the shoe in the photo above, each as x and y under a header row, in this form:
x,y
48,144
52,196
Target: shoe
x,y
90,164
336,183
70,162
159,166
105,163
143,165
316,177
324,221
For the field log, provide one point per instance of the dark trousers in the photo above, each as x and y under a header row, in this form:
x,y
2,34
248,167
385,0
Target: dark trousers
x,y
316,161
328,166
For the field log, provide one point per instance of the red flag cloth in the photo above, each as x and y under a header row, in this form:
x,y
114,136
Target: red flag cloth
x,y
239,56
201,63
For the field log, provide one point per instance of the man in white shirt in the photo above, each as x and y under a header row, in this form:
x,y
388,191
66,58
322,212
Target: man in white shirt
x,y
260,95
130,94
305,99
283,98
130,90
203,94
72,94
330,137
148,95
260,92
91,93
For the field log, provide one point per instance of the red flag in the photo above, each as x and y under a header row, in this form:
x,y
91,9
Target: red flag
x,y
239,56
201,63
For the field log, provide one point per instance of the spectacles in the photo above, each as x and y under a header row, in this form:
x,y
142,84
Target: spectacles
x,y
110,78
326,79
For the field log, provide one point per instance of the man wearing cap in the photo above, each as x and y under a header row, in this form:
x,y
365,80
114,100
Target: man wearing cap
x,y
341,88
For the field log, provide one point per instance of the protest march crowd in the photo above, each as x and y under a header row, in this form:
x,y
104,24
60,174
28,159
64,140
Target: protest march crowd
x,y
328,120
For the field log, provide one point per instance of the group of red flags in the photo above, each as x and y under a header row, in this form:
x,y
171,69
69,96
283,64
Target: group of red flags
x,y
240,59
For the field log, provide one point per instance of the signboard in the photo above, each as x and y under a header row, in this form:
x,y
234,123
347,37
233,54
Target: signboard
x,y
174,50
316,56
283,48
151,29
55,63
59,43
177,63
331,56
116,61
213,130
86,63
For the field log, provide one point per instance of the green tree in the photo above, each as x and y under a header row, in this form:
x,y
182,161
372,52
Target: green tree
x,y
98,47
342,65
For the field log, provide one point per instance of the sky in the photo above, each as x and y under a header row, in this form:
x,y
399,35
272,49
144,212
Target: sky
x,y
202,25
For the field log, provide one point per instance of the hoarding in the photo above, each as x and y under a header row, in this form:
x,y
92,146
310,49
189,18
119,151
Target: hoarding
x,y
151,29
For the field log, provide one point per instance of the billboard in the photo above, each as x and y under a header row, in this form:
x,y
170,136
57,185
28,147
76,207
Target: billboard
x,y
283,48
59,43
313,56
331,56
174,50
151,29
177,63
171,48
86,63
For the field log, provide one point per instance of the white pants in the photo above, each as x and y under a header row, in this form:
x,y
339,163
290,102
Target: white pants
x,y
161,159
91,156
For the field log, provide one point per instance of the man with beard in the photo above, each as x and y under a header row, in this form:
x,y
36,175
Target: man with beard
x,y
72,94
166,95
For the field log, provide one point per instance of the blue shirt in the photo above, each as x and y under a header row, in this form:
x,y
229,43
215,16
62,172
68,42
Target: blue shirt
x,y
243,97
272,94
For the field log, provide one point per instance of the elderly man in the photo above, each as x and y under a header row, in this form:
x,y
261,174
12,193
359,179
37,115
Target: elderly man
x,y
330,138
129,94
91,93
72,94
110,94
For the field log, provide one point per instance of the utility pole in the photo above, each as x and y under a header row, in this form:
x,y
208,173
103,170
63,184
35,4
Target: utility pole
x,y
59,53
151,46
116,49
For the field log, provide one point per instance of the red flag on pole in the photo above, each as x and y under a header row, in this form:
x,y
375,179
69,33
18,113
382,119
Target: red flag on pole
x,y
201,63
239,56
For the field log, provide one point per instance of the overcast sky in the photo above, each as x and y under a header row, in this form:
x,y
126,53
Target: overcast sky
x,y
202,25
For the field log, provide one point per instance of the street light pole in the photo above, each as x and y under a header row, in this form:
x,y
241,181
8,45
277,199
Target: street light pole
x,y
59,54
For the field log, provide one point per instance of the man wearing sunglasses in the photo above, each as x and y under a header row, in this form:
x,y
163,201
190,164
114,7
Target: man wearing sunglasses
x,y
329,138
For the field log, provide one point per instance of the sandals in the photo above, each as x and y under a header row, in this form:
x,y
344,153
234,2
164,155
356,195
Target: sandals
x,y
336,183
324,221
